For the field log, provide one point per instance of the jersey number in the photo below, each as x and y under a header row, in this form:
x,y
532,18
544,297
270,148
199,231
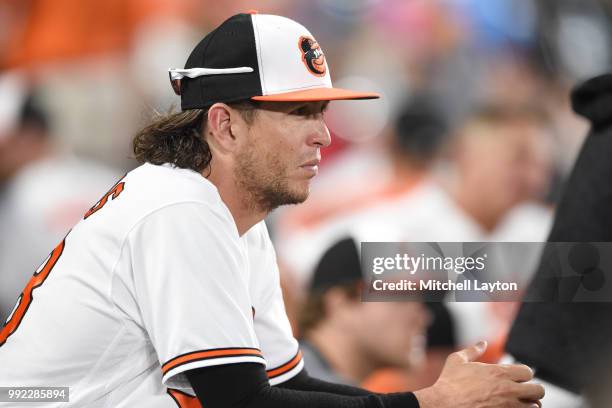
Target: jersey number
x,y
24,301
112,193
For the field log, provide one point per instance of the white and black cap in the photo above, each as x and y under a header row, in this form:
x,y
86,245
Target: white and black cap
x,y
260,57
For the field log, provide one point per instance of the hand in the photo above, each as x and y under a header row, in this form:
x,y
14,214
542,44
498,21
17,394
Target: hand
x,y
465,383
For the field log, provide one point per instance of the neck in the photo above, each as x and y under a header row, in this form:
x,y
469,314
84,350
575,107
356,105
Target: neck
x,y
476,206
341,353
244,212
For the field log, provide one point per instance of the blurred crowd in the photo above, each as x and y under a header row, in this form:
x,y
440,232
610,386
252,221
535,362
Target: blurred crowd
x,y
471,141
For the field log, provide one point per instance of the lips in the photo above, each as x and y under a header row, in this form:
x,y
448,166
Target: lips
x,y
311,163
312,167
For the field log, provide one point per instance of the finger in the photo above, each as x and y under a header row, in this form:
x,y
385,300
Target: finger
x,y
518,372
528,391
470,354
532,403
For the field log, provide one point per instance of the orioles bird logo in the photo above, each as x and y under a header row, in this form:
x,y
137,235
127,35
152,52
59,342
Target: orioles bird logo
x,y
312,56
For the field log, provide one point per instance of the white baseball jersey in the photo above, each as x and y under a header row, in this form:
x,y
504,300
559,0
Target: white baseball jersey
x,y
154,281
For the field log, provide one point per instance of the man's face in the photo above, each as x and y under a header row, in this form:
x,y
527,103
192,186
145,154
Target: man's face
x,y
281,152
387,334
393,334
510,166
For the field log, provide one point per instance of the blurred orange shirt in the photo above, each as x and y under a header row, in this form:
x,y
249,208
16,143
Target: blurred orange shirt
x,y
50,30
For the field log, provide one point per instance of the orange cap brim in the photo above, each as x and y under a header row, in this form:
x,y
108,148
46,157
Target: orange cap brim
x,y
317,94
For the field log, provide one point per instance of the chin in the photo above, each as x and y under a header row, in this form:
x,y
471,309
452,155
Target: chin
x,y
298,197
303,195
275,198
298,192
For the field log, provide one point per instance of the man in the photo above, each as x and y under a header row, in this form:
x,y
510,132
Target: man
x,y
170,279
344,339
502,156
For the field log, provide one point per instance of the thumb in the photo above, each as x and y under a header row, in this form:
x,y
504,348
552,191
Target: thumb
x,y
471,353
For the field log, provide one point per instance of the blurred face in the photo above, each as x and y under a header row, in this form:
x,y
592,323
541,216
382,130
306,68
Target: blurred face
x,y
505,164
391,333
282,152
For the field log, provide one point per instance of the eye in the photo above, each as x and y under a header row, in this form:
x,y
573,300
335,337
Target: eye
x,y
302,110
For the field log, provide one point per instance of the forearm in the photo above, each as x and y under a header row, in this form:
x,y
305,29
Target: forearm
x,y
246,386
304,382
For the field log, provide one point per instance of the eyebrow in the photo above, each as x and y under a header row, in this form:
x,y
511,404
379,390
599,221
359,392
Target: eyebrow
x,y
308,104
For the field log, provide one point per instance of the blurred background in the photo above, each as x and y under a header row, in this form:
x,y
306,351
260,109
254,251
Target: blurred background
x,y
471,141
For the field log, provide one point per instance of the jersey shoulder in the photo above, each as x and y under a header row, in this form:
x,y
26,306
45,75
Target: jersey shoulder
x,y
150,188
154,186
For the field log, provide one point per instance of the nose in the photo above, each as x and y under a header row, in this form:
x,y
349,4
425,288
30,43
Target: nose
x,y
320,136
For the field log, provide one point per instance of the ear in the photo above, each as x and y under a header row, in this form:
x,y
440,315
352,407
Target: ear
x,y
336,299
224,127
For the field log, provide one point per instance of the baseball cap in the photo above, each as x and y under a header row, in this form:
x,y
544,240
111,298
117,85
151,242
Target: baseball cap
x,y
339,265
260,57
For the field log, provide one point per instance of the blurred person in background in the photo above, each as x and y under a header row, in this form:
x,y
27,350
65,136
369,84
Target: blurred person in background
x,y
502,159
344,339
502,162
43,192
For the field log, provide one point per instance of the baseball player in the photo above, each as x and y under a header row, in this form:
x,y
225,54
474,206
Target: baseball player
x,y
167,292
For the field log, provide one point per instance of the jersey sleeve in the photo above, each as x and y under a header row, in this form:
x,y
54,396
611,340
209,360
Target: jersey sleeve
x,y
190,278
278,345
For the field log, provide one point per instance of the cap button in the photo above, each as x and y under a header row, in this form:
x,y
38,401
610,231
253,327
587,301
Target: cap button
x,y
252,11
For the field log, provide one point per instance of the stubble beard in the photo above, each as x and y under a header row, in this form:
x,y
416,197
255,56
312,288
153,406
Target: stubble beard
x,y
265,182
